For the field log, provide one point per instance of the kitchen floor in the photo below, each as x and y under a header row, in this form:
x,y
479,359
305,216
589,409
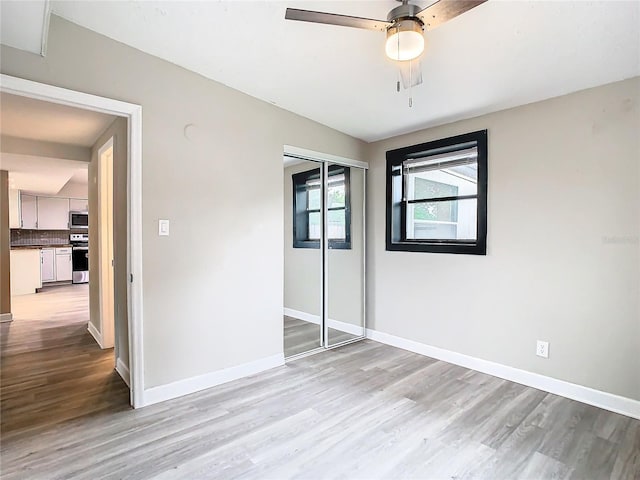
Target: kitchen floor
x,y
52,369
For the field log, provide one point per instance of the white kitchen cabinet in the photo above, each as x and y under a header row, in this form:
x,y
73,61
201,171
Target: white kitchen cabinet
x,y
48,264
14,208
28,211
25,270
78,205
53,213
63,264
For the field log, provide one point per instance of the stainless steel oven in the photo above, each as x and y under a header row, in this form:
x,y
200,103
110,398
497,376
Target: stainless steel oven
x,y
78,220
80,257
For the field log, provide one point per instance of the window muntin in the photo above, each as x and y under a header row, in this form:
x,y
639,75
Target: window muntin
x,y
436,196
307,217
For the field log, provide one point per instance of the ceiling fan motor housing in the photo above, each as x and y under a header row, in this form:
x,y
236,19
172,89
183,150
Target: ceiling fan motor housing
x,y
406,10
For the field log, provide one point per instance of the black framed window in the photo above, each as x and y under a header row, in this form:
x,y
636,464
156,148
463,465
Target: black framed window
x,y
307,208
437,196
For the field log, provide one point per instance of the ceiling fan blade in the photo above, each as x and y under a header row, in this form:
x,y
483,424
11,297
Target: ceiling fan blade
x,y
444,10
335,19
410,72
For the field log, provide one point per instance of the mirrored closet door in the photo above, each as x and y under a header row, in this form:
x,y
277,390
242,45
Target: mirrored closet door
x,y
344,257
303,277
324,254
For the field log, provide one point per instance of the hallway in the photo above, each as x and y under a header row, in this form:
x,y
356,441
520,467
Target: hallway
x,y
52,369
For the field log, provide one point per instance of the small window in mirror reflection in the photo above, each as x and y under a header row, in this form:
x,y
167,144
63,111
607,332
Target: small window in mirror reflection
x,y
307,208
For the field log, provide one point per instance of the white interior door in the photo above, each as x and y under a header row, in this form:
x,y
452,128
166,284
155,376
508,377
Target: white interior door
x,y
105,234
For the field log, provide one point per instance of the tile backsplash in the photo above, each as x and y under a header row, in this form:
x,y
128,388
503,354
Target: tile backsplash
x,y
39,237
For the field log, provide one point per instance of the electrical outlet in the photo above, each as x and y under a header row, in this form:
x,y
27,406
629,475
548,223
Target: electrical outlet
x,y
542,349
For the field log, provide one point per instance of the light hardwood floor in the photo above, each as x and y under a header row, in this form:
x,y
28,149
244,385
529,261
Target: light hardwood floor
x,y
52,369
301,336
364,411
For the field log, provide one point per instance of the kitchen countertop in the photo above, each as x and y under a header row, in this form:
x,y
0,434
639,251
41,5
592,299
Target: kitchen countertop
x,y
23,247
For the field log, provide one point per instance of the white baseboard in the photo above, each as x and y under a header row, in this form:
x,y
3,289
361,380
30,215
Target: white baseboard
x,y
95,334
6,317
307,317
315,319
123,371
597,398
208,380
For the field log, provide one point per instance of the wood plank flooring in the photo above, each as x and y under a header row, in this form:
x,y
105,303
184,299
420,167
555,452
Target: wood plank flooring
x,y
301,336
52,369
363,411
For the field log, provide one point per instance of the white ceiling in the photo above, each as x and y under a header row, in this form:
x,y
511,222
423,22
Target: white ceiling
x,y
499,55
31,119
24,24
50,122
42,175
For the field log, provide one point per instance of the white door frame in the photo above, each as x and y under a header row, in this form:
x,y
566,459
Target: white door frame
x,y
133,112
106,297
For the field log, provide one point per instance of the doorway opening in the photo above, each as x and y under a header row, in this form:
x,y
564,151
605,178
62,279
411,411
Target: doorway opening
x,y
125,272
324,254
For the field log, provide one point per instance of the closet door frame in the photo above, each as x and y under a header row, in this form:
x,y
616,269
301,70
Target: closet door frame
x,y
326,160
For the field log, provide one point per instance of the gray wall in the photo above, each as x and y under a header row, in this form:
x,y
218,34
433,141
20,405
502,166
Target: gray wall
x,y
302,265
563,261
118,130
25,146
213,288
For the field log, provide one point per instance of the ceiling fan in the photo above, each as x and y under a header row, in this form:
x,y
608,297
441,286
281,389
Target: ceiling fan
x,y
404,27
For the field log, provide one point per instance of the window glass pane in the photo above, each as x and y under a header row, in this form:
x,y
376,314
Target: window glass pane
x,y
315,222
452,220
449,182
336,224
336,221
336,195
313,199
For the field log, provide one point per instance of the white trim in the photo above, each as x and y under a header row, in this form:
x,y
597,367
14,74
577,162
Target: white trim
x,y
590,396
46,20
134,253
208,380
95,333
315,319
123,371
49,93
305,154
307,317
6,317
346,327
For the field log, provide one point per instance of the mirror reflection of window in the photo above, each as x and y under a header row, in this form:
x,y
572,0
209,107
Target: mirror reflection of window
x,y
307,218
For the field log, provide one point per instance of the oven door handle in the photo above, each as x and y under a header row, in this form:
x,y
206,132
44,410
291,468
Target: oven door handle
x,y
80,248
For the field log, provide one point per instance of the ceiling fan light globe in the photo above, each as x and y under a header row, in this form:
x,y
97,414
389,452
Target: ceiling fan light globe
x,y
405,41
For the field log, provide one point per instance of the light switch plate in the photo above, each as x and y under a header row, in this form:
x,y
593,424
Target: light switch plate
x,y
163,228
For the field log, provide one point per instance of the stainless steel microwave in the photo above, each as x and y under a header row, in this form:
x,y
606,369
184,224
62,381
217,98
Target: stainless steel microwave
x,y
78,220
